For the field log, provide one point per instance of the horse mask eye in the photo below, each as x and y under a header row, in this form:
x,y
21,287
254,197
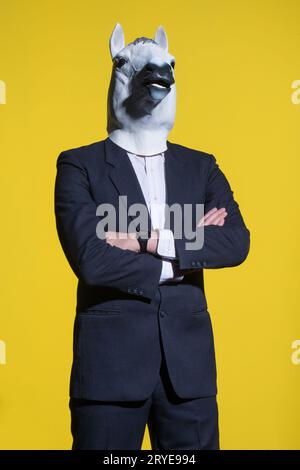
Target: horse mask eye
x,y
120,61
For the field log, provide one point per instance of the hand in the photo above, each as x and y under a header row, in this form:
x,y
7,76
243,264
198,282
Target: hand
x,y
123,240
213,217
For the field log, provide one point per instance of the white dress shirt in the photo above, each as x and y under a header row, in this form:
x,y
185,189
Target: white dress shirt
x,y
150,172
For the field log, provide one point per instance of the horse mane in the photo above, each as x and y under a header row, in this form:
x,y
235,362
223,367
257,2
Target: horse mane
x,y
142,39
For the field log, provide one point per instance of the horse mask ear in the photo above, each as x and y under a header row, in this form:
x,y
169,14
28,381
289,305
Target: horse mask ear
x,y
117,40
161,38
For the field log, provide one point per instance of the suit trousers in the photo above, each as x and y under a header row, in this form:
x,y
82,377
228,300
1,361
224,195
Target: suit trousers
x,y
174,423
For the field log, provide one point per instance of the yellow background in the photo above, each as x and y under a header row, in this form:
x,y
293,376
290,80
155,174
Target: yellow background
x,y
236,62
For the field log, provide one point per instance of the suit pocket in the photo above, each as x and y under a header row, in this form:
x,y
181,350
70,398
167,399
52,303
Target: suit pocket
x,y
99,312
200,312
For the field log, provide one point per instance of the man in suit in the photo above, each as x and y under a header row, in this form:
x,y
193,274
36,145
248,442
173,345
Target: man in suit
x,y
143,340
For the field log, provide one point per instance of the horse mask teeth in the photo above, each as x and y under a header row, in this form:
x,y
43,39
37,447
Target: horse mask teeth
x,y
141,103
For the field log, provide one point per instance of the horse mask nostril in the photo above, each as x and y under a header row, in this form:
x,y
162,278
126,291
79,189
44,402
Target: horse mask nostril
x,y
150,67
160,69
156,74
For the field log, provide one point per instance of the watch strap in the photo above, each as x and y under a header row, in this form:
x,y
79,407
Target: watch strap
x,y
142,238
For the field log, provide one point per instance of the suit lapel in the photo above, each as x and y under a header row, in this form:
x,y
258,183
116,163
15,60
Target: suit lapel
x,y
124,177
177,180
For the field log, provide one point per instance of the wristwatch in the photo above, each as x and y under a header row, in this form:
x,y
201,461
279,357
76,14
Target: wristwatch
x,y
142,238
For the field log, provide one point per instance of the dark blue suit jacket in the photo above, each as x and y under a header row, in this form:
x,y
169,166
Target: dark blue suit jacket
x,y
121,308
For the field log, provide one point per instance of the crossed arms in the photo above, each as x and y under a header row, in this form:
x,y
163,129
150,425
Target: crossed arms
x,y
128,241
116,262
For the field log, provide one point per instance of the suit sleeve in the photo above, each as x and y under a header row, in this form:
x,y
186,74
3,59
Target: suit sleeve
x,y
223,246
94,261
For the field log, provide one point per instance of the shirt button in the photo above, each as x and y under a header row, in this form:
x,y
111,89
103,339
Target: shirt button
x,y
162,314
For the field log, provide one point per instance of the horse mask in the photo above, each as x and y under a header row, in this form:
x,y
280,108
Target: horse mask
x,y
141,102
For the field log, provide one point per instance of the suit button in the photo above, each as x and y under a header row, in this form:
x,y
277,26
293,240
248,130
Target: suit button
x,y
129,290
162,313
193,263
198,263
204,263
141,292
